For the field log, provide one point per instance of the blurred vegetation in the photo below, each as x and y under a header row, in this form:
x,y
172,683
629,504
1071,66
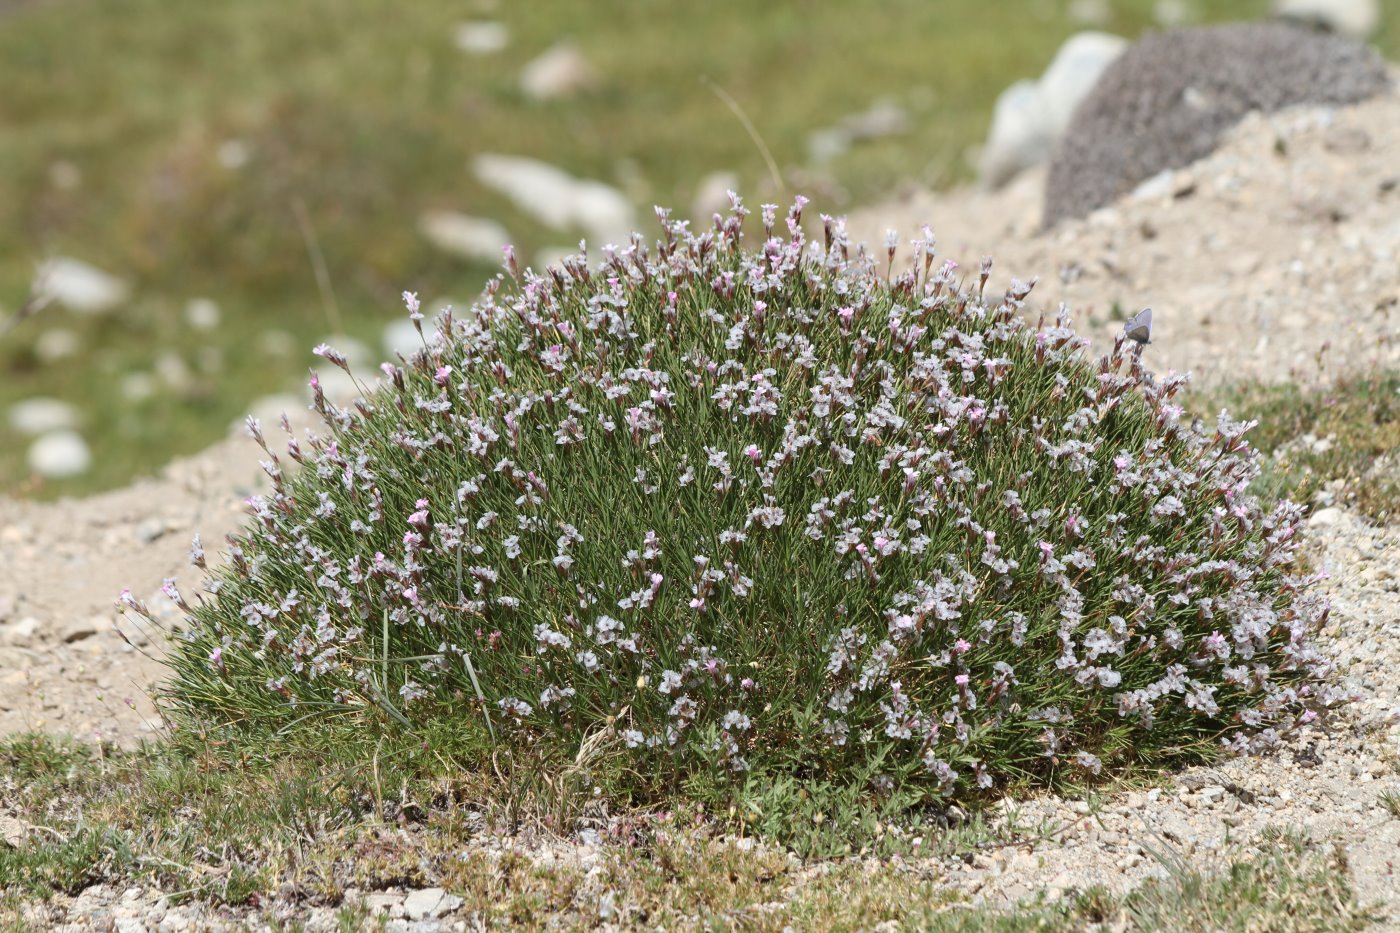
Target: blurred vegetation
x,y
119,118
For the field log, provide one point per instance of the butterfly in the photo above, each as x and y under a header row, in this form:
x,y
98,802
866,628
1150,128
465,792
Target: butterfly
x,y
1140,327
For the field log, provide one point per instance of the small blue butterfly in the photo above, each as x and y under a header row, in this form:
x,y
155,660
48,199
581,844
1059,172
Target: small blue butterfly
x,y
1140,327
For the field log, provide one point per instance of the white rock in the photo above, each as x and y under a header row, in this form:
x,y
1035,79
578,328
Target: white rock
x,y
42,415
1356,18
138,386
482,37
356,352
1031,115
233,154
13,833
172,370
884,118
1157,187
202,314
712,197
429,903
339,387
402,339
59,454
1324,518
562,71
19,633
1074,72
827,144
382,903
475,238
557,199
57,343
79,286
1020,136
269,410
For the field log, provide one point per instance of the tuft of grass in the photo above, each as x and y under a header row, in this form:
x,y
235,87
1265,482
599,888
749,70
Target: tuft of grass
x,y
1323,446
1293,885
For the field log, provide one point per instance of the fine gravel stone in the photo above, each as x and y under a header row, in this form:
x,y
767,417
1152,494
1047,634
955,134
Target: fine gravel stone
x,y
1167,100
79,286
562,71
429,903
59,454
478,239
41,415
1031,115
557,199
482,37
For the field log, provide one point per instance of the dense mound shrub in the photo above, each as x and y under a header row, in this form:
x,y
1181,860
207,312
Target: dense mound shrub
x,y
712,511
1167,100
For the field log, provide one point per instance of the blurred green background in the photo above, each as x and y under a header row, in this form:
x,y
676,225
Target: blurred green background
x,y
202,149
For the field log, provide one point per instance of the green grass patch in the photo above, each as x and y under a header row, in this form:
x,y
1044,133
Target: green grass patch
x,y
1322,446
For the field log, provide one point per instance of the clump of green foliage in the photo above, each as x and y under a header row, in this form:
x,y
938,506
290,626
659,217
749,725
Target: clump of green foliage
x,y
715,522
1331,445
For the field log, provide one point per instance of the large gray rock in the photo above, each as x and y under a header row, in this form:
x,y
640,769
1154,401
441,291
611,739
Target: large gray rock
x,y
1031,115
1356,18
1167,101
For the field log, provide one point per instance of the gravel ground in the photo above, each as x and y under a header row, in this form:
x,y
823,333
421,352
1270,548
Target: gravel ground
x,y
1286,239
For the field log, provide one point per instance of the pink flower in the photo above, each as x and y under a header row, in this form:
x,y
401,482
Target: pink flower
x,y
960,680
1047,550
443,375
753,453
961,646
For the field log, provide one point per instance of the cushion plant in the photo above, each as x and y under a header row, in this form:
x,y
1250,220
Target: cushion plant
x,y
717,512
